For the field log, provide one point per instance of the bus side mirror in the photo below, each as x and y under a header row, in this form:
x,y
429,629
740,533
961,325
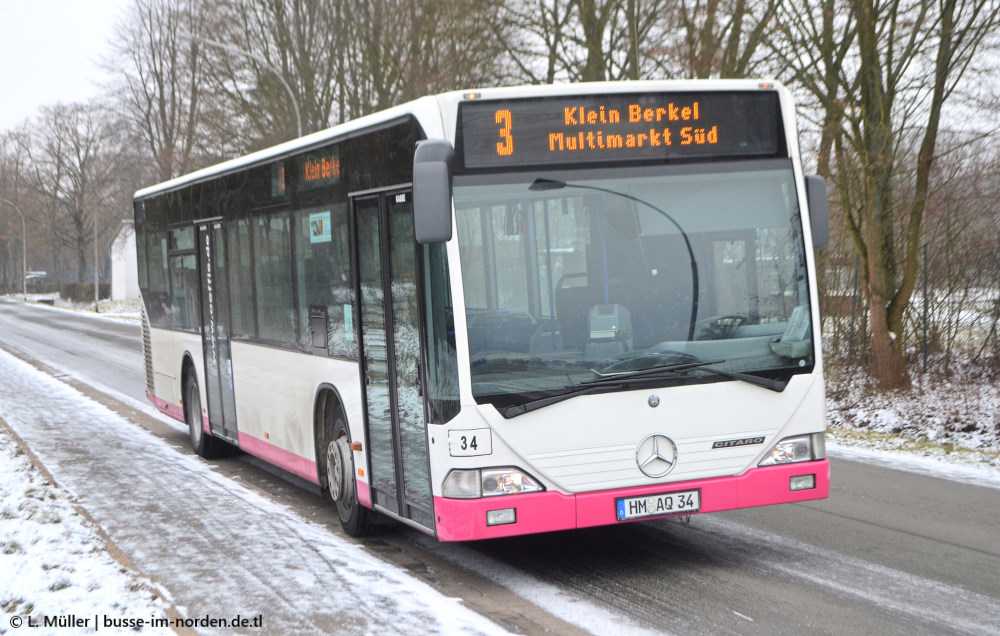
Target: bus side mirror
x,y
819,210
432,164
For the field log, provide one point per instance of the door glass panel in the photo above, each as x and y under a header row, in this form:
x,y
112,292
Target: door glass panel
x,y
222,318
215,332
373,334
406,345
210,329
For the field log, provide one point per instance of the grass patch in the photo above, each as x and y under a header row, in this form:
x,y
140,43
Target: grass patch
x,y
866,438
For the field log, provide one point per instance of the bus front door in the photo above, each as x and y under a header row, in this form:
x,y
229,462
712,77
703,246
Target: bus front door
x,y
215,330
390,354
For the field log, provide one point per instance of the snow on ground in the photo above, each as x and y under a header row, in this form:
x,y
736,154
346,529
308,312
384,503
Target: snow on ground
x,y
980,469
961,411
168,511
53,561
118,310
947,426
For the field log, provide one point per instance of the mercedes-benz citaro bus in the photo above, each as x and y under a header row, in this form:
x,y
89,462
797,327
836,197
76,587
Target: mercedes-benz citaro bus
x,y
505,311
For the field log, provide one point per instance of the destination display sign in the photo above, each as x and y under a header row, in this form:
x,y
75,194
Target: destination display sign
x,y
611,128
319,169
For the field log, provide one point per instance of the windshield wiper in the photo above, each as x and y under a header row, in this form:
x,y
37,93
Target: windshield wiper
x,y
618,376
673,369
520,409
611,381
768,383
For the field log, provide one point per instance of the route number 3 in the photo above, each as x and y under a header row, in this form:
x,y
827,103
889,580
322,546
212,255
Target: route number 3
x,y
505,147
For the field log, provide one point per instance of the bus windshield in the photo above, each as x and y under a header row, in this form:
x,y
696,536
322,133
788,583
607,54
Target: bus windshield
x,y
575,275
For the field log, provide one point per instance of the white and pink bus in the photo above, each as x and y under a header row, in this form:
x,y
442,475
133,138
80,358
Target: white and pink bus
x,y
505,311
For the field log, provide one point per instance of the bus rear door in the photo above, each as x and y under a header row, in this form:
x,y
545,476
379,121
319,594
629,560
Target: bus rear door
x,y
213,276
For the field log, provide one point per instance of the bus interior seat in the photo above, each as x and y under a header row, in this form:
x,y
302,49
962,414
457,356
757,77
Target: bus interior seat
x,y
499,330
572,301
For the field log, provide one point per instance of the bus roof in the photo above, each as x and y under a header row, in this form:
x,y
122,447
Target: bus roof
x,y
437,115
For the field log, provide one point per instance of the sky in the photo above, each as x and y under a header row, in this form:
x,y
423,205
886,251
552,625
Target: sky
x,y
50,52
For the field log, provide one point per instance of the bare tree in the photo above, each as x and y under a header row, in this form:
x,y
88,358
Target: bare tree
x,y
880,74
397,50
12,189
912,55
585,40
537,33
160,81
963,268
72,161
277,73
810,45
720,38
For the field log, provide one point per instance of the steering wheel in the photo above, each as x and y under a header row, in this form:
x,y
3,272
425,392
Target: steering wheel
x,y
720,327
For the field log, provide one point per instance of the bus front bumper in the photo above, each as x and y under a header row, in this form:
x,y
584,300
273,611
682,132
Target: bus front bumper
x,y
466,519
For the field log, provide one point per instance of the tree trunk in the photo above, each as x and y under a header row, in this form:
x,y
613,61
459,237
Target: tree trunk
x,y
887,344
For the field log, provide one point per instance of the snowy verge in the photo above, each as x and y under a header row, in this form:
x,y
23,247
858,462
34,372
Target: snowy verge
x,y
129,311
960,411
980,468
948,426
53,560
220,549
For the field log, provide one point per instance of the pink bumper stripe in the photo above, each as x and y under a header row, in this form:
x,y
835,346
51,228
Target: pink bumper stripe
x,y
295,464
364,493
173,410
286,460
465,519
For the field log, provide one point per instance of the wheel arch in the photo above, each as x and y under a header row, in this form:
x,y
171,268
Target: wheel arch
x,y
187,368
326,402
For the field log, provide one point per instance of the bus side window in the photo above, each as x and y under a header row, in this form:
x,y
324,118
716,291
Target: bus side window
x,y
442,358
272,243
183,279
241,279
323,279
157,292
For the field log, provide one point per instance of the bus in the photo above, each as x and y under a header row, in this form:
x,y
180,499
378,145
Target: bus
x,y
505,311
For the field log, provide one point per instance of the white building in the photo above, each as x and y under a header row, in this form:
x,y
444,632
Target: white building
x,y
124,268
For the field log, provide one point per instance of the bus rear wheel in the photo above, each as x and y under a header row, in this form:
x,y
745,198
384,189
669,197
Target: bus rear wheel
x,y
356,519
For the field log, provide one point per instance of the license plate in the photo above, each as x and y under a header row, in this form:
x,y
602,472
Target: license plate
x,y
671,503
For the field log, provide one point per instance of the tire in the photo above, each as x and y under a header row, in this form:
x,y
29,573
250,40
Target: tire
x,y
341,487
202,444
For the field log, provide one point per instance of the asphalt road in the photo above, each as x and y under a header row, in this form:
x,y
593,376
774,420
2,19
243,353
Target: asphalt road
x,y
890,552
95,350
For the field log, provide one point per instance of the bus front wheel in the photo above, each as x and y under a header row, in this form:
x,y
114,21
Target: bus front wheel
x,y
355,518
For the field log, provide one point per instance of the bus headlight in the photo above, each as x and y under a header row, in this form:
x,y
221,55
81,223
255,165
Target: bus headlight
x,y
489,482
801,448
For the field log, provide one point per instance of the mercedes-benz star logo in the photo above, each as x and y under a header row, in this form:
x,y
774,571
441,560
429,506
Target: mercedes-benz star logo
x,y
656,455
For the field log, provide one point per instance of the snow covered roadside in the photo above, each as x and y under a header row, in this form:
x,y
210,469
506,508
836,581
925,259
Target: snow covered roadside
x,y
129,311
971,467
220,549
54,562
948,427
